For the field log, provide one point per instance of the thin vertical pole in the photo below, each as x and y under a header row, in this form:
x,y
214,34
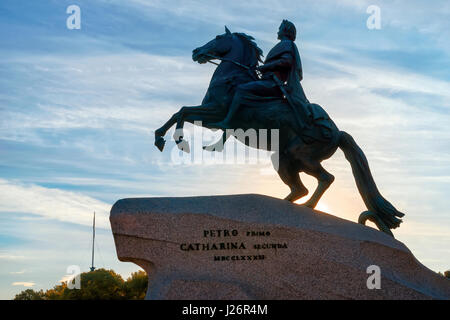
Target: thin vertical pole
x,y
93,242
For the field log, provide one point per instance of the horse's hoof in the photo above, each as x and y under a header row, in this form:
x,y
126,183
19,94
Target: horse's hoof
x,y
183,145
310,205
159,133
295,195
160,143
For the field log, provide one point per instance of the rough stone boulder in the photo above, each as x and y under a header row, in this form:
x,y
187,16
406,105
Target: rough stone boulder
x,y
258,247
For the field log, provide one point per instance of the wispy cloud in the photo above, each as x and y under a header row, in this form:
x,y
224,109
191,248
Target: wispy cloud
x,y
10,257
112,92
52,203
24,284
17,272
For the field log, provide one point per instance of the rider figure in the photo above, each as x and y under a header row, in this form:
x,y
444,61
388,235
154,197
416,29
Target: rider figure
x,y
284,62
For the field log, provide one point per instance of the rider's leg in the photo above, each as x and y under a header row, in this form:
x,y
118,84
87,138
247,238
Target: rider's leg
x,y
258,88
225,124
235,104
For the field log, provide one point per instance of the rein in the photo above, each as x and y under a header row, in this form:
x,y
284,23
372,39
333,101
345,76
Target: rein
x,y
232,61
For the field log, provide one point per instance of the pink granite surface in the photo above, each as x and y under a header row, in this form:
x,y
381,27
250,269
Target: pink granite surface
x,y
258,247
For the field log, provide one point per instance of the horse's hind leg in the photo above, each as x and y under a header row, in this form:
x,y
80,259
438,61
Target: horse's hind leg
x,y
324,178
290,176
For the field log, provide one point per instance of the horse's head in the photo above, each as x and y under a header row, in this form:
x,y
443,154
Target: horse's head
x,y
217,47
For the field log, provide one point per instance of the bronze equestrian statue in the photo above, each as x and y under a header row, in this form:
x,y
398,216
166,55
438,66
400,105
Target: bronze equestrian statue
x,y
243,95
282,65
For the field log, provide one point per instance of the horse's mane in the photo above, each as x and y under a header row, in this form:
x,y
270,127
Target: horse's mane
x,y
256,52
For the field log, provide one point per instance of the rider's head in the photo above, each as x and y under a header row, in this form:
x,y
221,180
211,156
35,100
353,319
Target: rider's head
x,y
287,29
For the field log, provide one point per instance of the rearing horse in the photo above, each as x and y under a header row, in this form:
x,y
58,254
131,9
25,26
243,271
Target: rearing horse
x,y
298,150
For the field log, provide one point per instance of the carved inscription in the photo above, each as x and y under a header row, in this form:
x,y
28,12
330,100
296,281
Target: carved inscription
x,y
235,245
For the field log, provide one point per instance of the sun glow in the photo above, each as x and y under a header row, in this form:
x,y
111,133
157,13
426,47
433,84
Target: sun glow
x,y
323,207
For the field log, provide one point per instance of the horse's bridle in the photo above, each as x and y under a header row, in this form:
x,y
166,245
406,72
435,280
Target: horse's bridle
x,y
232,61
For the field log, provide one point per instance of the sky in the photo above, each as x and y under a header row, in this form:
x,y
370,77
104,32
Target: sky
x,y
79,107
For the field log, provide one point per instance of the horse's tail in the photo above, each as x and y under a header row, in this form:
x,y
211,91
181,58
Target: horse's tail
x,y
381,211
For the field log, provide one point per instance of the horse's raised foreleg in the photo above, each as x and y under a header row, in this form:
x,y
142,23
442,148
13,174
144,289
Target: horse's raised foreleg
x,y
197,113
177,118
161,132
202,111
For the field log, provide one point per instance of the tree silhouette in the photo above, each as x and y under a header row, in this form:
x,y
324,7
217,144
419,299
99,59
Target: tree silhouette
x,y
136,286
30,294
100,284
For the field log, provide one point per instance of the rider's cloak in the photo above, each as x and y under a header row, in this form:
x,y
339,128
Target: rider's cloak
x,y
316,114
295,73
